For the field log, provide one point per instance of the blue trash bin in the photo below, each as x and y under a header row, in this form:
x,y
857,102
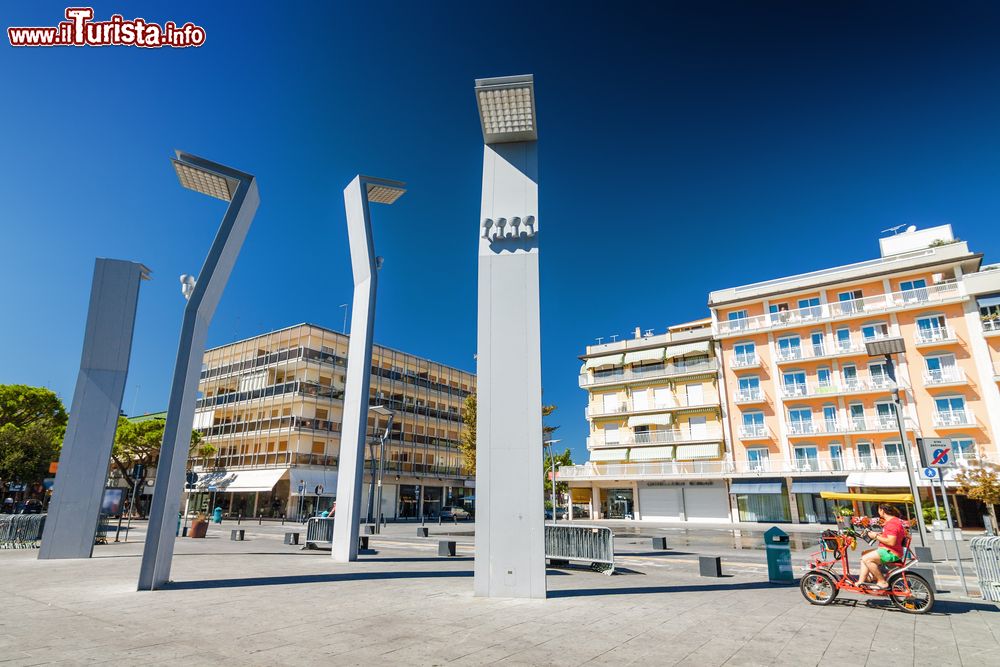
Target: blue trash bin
x,y
779,556
217,515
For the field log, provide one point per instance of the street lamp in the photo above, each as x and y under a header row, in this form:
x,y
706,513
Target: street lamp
x,y
887,347
552,464
377,473
510,522
364,264
240,190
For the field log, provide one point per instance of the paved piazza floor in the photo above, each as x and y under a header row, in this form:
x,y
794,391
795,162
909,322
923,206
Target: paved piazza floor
x,y
260,602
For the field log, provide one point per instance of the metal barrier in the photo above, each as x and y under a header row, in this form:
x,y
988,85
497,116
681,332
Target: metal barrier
x,y
319,531
986,557
21,531
103,528
593,544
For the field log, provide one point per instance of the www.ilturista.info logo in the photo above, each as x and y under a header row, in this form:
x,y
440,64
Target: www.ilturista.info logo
x,y
81,30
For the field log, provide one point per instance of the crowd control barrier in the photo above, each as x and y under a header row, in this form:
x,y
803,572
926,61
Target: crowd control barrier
x,y
986,557
319,533
21,531
592,544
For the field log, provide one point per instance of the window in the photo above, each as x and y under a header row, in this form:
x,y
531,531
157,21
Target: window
x,y
753,425
850,373
964,448
757,458
816,338
932,328
749,388
874,331
640,399
610,402
823,379
789,348
810,307
806,458
885,414
698,427
611,434
850,302
866,459
950,411
800,420
857,415
914,290
737,320
894,455
836,457
745,354
830,418
879,371
942,368
989,312
843,340
795,383
778,311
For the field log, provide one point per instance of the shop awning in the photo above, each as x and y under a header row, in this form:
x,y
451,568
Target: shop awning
x,y
710,451
698,347
609,455
763,486
650,453
992,300
311,478
656,354
606,360
239,481
869,497
649,420
819,486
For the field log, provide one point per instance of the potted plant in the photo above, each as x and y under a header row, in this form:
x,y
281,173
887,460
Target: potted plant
x,y
199,527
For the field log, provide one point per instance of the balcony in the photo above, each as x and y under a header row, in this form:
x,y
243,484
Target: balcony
x,y
815,427
656,470
746,361
877,424
941,293
815,352
631,407
940,377
658,437
935,336
754,395
991,327
953,418
877,384
754,432
623,375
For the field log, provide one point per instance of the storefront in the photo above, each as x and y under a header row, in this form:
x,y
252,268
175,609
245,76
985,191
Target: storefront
x,y
761,500
617,503
684,500
811,507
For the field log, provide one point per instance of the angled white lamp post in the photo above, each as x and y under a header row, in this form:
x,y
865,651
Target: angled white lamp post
x,y
364,264
93,417
240,190
510,538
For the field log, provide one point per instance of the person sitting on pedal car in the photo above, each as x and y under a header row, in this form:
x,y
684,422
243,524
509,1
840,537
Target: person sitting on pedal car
x,y
891,538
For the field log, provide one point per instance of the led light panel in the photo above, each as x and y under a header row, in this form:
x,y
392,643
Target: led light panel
x,y
202,181
383,194
507,109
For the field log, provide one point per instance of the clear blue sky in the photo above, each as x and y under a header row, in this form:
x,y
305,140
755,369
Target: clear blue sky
x,y
684,147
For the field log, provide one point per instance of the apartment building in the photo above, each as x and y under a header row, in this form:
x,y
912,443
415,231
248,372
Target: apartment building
x,y
272,405
656,411
809,410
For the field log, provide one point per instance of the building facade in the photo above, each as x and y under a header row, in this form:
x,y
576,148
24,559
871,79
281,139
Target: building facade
x,y
272,407
656,411
804,409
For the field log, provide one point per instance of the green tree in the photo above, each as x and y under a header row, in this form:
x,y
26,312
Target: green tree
x,y
32,426
140,442
981,482
564,458
467,445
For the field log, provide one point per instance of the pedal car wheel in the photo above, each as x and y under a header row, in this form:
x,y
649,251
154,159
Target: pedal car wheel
x,y
911,593
818,587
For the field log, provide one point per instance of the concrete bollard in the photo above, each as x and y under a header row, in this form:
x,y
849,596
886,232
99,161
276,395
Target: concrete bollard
x,y
422,531
446,548
710,566
237,535
660,543
369,529
362,543
291,538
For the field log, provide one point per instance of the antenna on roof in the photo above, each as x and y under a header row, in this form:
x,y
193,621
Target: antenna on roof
x,y
892,230
614,338
599,339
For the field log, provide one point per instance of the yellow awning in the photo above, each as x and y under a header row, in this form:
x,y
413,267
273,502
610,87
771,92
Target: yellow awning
x,y
868,497
606,360
656,354
698,347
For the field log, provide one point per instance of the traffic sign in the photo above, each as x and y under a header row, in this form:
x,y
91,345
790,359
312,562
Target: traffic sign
x,y
936,453
930,473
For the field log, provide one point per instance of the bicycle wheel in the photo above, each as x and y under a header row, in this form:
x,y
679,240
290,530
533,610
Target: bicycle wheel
x,y
818,587
911,593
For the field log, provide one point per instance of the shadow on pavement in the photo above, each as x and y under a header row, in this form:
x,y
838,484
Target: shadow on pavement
x,y
428,559
638,590
308,579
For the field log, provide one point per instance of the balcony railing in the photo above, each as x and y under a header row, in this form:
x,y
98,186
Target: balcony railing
x,y
640,470
950,375
991,326
749,395
807,352
915,298
638,374
853,386
745,361
935,335
658,437
628,406
753,431
946,418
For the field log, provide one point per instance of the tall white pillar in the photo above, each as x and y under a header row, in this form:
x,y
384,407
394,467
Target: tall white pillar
x,y
93,417
510,548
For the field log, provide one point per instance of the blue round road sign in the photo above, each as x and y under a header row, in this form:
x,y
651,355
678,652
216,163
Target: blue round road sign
x,y
930,473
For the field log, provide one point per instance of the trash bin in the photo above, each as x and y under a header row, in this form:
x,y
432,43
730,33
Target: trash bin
x,y
779,556
217,515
